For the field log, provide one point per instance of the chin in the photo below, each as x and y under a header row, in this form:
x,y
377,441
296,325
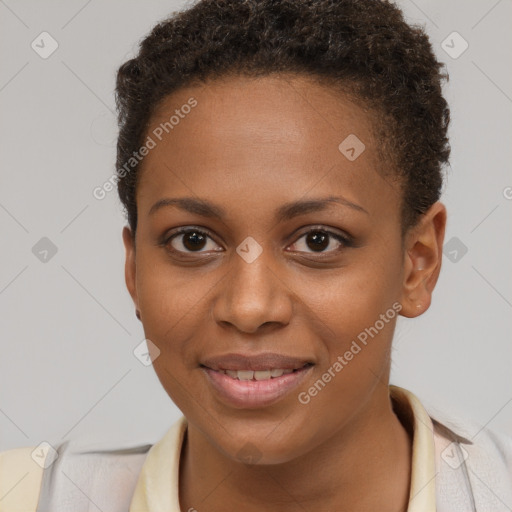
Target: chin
x,y
260,450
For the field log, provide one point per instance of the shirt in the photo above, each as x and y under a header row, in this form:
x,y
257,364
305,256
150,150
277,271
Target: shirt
x,y
449,472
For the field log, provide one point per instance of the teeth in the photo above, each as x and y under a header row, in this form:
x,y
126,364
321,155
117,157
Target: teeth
x,y
262,375
256,375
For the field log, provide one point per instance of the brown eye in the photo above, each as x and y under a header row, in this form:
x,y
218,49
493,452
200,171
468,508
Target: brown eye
x,y
191,240
194,240
321,240
317,240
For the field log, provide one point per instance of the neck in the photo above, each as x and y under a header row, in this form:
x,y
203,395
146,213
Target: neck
x,y
366,465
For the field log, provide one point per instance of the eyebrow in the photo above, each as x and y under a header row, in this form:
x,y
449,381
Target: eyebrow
x,y
205,208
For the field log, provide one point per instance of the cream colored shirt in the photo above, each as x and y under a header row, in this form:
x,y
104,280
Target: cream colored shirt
x,y
466,468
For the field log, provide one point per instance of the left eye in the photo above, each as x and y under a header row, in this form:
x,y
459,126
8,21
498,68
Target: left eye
x,y
319,240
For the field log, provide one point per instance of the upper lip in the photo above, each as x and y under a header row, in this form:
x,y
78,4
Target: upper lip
x,y
256,362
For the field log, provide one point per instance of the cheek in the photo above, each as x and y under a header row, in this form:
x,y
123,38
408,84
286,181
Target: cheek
x,y
355,314
354,297
166,292
169,311
355,360
169,304
356,330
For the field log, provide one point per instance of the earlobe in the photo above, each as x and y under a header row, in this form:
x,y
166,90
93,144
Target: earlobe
x,y
130,266
422,260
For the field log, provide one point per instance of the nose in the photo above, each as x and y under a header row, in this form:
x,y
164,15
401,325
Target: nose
x,y
253,296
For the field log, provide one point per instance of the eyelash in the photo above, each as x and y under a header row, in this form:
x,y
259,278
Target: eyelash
x,y
345,240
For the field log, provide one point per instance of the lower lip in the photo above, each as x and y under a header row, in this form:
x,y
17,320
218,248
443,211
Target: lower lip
x,y
251,394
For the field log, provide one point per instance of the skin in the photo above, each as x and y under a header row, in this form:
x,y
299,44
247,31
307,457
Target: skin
x,y
249,146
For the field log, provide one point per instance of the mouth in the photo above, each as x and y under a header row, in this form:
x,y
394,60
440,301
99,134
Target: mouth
x,y
253,389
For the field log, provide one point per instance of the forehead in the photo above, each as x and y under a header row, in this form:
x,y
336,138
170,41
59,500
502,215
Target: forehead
x,y
283,112
279,136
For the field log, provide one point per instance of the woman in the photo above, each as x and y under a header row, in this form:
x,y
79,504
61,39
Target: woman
x,y
280,163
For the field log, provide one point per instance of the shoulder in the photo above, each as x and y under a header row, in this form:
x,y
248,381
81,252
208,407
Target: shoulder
x,y
44,475
479,441
21,473
473,464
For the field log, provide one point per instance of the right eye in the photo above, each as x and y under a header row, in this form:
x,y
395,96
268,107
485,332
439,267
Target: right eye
x,y
190,240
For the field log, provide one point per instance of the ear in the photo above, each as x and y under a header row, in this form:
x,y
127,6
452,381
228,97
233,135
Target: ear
x,y
129,266
422,260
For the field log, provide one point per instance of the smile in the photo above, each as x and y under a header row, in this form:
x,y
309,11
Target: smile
x,y
247,389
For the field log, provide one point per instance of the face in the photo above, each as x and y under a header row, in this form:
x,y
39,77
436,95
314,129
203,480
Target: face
x,y
292,246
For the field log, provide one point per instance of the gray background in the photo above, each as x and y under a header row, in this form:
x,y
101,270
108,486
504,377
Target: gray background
x,y
68,329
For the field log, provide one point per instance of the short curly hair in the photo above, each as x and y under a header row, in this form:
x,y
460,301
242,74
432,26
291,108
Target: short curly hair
x,y
361,47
